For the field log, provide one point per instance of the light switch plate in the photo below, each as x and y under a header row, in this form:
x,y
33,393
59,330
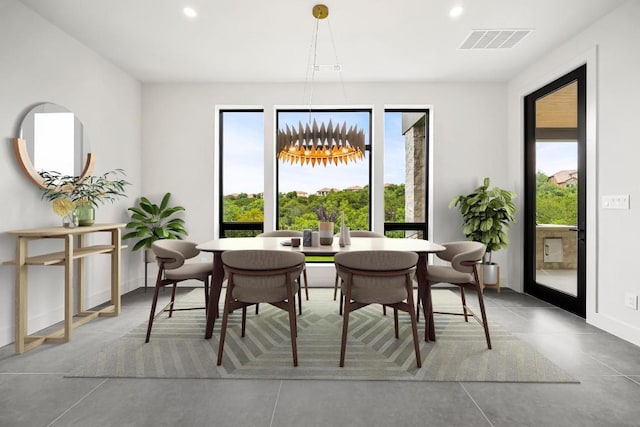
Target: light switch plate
x,y
619,201
631,301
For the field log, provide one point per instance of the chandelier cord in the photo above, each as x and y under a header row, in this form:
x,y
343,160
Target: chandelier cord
x,y
338,63
312,70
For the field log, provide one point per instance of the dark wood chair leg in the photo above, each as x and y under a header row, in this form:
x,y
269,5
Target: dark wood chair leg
x,y
345,328
173,298
300,297
152,314
464,304
293,326
485,323
206,294
414,322
223,327
306,285
418,303
427,310
244,321
335,288
395,322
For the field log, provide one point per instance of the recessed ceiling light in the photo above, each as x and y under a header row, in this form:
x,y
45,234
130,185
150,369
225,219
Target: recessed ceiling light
x,y
456,11
190,12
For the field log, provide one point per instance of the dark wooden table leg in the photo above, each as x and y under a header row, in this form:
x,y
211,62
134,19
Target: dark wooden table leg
x,y
425,292
214,293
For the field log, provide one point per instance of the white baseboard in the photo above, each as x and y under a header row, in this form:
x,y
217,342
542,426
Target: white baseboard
x,y
615,327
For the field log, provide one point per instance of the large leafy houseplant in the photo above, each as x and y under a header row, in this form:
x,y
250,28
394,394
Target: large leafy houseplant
x,y
486,215
151,222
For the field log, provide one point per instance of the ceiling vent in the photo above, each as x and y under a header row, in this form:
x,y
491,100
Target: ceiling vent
x,y
493,39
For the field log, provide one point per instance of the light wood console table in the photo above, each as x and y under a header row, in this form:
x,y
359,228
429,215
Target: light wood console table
x,y
71,252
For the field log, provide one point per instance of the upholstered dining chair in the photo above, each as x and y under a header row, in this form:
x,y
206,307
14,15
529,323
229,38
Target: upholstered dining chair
x,y
378,277
261,276
463,256
353,233
171,256
290,233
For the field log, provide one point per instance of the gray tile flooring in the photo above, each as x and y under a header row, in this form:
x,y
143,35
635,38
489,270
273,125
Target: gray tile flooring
x,y
35,392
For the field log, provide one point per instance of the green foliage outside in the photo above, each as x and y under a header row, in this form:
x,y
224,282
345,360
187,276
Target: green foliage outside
x,y
296,213
555,204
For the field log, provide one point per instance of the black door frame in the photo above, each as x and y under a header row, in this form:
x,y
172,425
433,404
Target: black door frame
x,y
567,302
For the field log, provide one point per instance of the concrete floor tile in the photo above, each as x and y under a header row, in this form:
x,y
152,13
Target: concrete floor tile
x,y
37,399
597,401
193,403
375,403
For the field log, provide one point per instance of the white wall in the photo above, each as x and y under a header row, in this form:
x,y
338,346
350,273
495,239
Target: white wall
x,y
41,63
609,47
179,140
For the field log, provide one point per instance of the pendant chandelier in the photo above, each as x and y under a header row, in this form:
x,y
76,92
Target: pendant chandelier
x,y
328,144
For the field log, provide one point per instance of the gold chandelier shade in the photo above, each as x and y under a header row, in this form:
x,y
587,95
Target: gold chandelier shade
x,y
320,145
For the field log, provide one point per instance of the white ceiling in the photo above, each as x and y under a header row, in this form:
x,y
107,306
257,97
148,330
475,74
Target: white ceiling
x,y
261,41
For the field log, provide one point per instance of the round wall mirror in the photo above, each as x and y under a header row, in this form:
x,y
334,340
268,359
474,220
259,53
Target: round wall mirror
x,y
52,138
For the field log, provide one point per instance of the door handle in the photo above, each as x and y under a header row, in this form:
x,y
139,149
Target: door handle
x,y
580,232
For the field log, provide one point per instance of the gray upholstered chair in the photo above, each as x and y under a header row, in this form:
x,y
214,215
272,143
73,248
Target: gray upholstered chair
x,y
353,233
463,257
378,277
171,256
289,233
261,276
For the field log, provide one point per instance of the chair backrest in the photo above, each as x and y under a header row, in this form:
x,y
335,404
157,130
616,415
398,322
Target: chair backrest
x,y
262,275
365,233
173,252
458,252
281,233
376,276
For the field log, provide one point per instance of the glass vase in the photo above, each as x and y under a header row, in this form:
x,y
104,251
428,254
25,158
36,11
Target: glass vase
x,y
86,214
70,220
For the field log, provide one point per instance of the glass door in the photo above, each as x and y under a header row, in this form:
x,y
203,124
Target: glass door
x,y
555,202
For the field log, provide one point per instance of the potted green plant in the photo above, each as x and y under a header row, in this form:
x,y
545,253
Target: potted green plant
x,y
486,215
150,222
81,195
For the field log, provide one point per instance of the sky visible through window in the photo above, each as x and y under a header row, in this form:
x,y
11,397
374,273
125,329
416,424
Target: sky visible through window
x,y
297,177
394,152
553,157
243,152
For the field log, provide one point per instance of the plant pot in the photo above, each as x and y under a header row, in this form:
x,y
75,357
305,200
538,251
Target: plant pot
x,y
325,229
490,273
86,214
149,256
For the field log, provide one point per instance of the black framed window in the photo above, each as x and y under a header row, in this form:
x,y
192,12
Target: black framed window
x,y
344,188
406,173
241,156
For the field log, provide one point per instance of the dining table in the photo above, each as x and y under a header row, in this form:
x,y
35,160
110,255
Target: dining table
x,y
217,246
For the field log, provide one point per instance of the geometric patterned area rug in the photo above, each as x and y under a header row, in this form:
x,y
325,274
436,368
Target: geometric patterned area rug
x,y
178,350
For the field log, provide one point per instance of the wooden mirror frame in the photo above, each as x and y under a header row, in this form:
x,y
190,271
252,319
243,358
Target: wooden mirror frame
x,y
22,156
